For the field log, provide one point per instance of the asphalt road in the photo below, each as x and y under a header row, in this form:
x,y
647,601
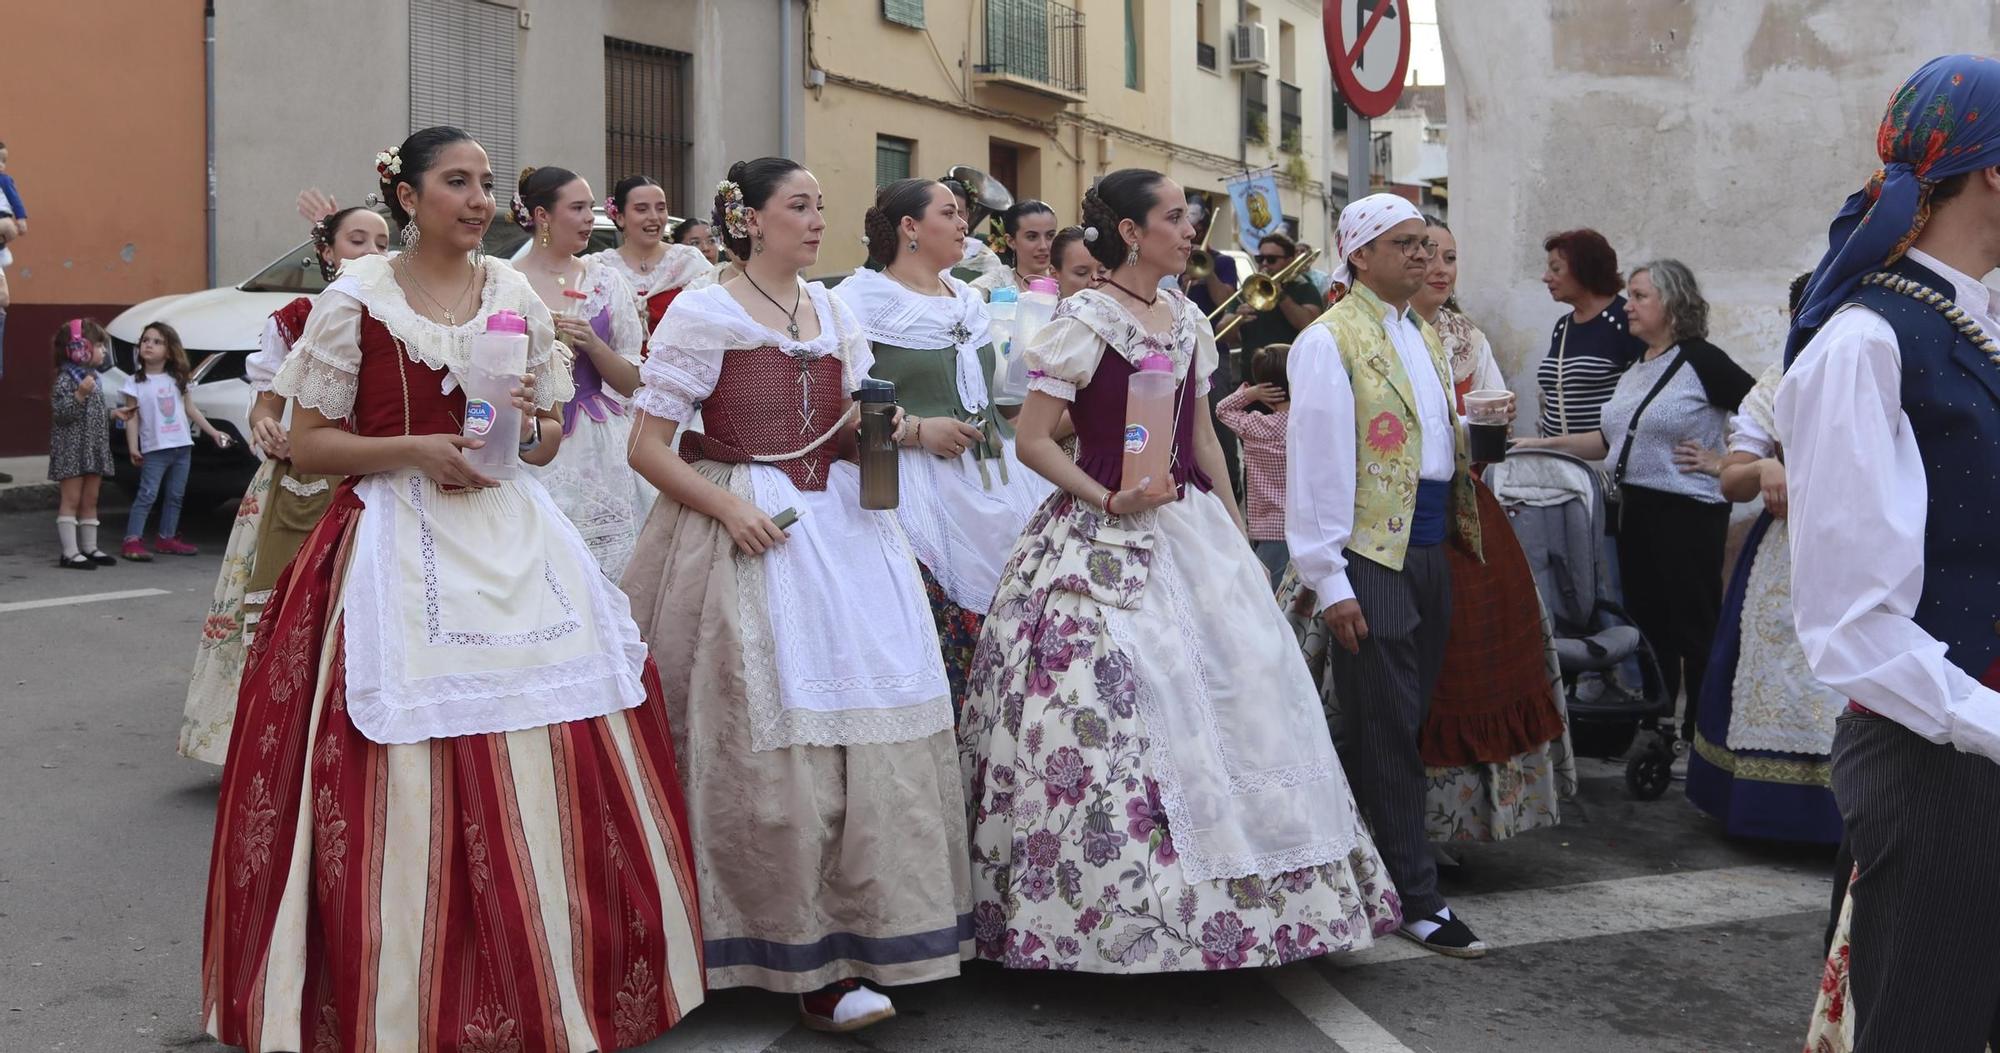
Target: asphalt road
x,y
1633,927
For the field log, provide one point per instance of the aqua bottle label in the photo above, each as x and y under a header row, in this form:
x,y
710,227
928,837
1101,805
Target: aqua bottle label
x,y
478,417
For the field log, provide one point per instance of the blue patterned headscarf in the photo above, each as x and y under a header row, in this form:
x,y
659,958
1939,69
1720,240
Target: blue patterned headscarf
x,y
1943,121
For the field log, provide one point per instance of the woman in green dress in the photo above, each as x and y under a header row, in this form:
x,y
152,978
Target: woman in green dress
x,y
965,497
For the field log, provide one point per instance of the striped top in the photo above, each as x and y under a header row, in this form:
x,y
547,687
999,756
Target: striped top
x,y
1582,368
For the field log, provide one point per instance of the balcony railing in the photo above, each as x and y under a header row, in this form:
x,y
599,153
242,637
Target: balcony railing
x,y
1256,111
1035,44
1204,55
1291,125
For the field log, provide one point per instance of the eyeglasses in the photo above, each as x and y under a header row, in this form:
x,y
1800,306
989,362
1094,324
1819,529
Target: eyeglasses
x,y
1268,260
1413,246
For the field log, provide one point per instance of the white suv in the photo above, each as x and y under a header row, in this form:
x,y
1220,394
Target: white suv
x,y
220,327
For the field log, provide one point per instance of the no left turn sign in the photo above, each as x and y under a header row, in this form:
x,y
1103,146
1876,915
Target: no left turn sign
x,y
1368,46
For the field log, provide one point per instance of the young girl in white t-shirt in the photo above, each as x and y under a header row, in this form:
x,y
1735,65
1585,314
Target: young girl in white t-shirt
x,y
160,441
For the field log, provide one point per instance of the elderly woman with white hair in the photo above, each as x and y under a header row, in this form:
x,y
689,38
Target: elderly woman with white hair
x,y
1670,410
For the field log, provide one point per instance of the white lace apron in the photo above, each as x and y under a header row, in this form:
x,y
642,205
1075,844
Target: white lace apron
x,y
479,611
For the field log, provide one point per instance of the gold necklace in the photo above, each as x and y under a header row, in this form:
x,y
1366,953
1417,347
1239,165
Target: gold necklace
x,y
450,317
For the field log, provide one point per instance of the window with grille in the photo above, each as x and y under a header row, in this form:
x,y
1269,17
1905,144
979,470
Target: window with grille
x,y
904,12
462,59
892,159
645,116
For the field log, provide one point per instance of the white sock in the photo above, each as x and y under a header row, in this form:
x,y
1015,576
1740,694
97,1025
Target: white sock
x,y
1423,928
66,532
86,536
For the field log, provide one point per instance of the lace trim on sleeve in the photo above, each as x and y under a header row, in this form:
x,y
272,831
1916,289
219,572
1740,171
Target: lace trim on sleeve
x,y
323,369
675,378
1048,385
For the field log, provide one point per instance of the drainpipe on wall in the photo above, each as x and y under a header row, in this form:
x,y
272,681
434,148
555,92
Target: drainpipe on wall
x,y
789,80
208,97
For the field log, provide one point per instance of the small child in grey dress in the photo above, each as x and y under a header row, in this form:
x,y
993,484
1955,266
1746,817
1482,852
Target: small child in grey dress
x,y
79,439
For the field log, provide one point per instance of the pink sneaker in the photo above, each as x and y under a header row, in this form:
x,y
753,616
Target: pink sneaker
x,y
135,550
174,546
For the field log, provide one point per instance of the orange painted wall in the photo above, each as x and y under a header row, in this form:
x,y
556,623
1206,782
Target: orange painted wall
x,y
104,126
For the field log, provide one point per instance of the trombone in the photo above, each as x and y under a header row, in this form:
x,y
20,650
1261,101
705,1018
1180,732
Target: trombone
x,y
1261,291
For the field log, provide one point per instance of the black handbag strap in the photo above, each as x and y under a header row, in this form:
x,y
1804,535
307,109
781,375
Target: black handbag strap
x,y
1632,430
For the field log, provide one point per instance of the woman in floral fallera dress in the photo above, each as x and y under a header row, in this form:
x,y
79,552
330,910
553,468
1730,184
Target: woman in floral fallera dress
x,y
279,507
1152,787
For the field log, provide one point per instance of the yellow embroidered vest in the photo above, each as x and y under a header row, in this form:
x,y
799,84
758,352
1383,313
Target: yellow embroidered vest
x,y
1388,443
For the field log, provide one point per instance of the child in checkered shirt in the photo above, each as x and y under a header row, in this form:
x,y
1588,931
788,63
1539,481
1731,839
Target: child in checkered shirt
x,y
1257,412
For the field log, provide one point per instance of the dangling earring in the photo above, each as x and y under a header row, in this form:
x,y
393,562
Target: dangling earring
x,y
543,235
757,245
1132,255
913,244
411,235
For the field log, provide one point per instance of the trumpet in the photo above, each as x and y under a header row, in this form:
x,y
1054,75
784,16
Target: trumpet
x,y
1261,291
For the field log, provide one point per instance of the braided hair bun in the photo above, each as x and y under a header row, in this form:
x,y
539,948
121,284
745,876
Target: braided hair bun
x,y
1129,193
904,198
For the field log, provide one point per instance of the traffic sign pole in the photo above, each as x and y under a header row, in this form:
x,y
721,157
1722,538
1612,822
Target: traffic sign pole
x,y
1360,152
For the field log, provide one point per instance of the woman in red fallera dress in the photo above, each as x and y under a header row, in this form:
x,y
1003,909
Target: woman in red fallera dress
x,y
451,818
657,268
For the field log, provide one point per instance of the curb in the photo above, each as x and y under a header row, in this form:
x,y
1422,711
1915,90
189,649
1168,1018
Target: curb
x,y
30,497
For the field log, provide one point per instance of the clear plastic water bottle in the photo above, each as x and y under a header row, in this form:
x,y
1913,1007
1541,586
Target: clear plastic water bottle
x,y
1149,425
1038,306
1000,313
499,358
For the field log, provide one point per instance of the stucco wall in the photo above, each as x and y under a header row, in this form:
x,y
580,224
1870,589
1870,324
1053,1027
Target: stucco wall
x,y
110,163
111,167
306,93
1725,133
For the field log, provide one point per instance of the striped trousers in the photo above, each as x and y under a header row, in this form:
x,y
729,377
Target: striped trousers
x,y
1385,696
1923,821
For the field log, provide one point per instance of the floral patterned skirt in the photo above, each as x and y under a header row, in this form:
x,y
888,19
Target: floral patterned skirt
x,y
1074,860
958,634
218,662
521,890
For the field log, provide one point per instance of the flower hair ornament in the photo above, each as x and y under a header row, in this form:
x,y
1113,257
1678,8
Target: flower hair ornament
x,y
998,240
735,217
518,209
389,163
610,206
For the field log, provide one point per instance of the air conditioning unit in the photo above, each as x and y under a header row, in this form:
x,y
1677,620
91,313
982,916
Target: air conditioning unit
x,y
1249,47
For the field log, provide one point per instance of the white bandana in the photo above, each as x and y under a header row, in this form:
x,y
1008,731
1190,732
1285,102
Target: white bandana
x,y
1363,222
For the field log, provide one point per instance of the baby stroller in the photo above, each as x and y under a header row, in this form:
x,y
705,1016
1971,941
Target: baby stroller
x,y
1557,509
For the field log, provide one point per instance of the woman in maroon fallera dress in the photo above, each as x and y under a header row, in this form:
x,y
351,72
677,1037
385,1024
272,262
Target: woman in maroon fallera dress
x,y
451,819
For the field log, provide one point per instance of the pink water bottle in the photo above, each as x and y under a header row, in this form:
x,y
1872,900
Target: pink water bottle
x,y
1149,424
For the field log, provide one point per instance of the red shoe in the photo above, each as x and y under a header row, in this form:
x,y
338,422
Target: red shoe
x,y
135,550
174,546
844,1006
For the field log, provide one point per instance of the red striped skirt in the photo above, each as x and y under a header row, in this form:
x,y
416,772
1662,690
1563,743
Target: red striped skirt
x,y
528,890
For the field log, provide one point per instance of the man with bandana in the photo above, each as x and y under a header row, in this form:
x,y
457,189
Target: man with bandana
x,y
1375,481
1890,416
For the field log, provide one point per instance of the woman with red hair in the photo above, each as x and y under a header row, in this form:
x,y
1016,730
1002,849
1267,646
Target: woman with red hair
x,y
1592,345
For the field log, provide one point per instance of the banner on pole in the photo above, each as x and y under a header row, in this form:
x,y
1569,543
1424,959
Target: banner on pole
x,y
1253,196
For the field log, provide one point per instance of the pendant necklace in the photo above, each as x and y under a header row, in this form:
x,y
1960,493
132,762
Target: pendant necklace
x,y
791,316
